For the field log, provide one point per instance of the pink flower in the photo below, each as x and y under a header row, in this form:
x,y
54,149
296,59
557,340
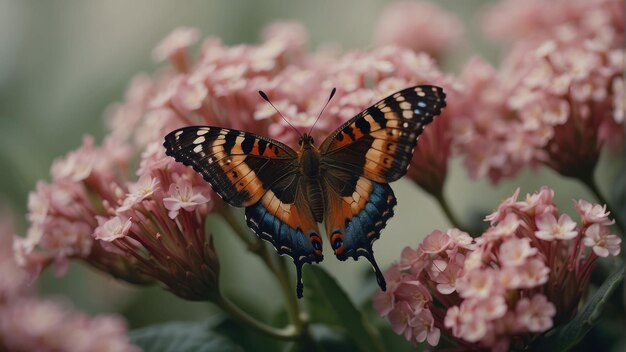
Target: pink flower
x,y
445,275
461,238
491,308
436,242
37,208
189,96
477,284
503,210
412,257
400,21
174,45
414,293
112,229
593,213
465,324
549,229
603,243
140,190
399,317
77,165
515,251
506,227
182,196
539,202
535,314
293,34
383,302
533,273
424,329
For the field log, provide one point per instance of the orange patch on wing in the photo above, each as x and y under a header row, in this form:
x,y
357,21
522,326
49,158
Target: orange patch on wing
x,y
345,208
388,147
390,134
289,214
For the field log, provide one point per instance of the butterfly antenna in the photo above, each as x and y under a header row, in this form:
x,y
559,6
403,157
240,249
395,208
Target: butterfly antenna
x,y
265,97
332,94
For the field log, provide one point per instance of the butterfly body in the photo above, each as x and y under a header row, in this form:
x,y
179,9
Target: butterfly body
x,y
342,184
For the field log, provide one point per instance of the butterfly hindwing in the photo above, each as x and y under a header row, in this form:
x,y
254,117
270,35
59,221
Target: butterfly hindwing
x,y
378,143
240,166
357,212
284,218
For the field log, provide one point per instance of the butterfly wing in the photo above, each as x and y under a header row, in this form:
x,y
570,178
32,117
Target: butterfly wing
x,y
361,157
378,143
240,166
258,173
284,218
358,209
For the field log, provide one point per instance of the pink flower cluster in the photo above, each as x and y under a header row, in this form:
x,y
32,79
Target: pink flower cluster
x,y
557,100
62,214
160,223
133,230
525,274
28,323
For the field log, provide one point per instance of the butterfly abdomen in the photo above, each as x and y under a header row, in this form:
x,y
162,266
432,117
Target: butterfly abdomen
x,y
310,168
316,199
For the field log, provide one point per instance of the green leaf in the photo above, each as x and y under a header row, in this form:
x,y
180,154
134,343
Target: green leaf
x,y
567,336
181,337
328,303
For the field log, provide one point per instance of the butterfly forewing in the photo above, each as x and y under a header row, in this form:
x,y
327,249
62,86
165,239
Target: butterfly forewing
x,y
240,166
379,142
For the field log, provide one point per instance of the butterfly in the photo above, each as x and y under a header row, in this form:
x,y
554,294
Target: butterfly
x,y
344,183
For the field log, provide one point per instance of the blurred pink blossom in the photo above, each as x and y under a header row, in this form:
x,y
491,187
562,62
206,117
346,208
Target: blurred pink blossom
x,y
421,26
31,324
516,281
28,323
173,47
508,20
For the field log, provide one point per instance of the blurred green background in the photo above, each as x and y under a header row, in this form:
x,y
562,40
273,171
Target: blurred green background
x,y
63,62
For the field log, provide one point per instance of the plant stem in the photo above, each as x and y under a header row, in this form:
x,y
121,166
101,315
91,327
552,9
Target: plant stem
x,y
289,333
592,185
445,206
275,264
